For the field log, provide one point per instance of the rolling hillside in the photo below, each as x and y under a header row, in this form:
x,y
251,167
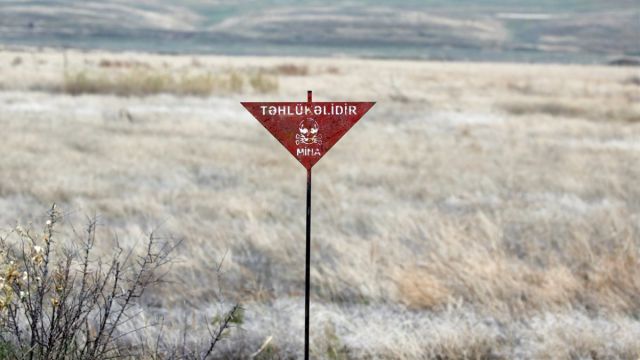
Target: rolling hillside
x,y
547,31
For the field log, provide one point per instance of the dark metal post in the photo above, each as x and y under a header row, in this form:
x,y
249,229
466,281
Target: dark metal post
x,y
307,287
307,283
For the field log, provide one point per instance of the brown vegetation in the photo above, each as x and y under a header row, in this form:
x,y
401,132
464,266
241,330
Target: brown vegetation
x,y
444,225
144,82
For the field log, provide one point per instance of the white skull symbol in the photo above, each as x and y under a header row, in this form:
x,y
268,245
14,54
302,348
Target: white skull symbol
x,y
308,132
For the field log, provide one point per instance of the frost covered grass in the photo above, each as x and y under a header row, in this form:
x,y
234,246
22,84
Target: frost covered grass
x,y
444,226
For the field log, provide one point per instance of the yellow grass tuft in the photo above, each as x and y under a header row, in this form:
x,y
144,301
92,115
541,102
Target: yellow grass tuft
x,y
420,289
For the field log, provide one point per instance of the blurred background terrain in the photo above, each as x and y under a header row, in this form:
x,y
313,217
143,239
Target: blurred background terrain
x,y
584,31
487,207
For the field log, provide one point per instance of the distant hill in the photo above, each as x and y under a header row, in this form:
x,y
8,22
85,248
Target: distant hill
x,y
582,31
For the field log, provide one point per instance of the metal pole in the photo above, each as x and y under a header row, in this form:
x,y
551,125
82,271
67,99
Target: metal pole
x,y
307,279
308,270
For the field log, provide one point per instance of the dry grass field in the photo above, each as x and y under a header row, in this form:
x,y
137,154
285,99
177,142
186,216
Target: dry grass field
x,y
480,211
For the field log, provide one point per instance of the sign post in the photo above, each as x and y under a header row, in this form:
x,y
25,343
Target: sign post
x,y
308,130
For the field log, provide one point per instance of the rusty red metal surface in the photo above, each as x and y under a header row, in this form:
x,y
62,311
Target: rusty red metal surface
x,y
308,129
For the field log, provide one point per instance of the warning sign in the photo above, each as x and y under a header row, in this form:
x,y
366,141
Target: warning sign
x,y
308,129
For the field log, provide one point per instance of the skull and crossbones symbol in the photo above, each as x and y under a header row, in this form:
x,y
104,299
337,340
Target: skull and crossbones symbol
x,y
308,133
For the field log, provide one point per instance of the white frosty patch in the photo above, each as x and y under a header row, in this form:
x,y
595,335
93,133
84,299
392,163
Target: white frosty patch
x,y
97,105
594,144
570,203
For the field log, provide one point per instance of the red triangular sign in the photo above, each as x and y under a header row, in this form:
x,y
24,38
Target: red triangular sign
x,y
308,129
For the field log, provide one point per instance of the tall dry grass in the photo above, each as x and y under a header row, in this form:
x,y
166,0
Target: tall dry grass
x,y
444,226
145,82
